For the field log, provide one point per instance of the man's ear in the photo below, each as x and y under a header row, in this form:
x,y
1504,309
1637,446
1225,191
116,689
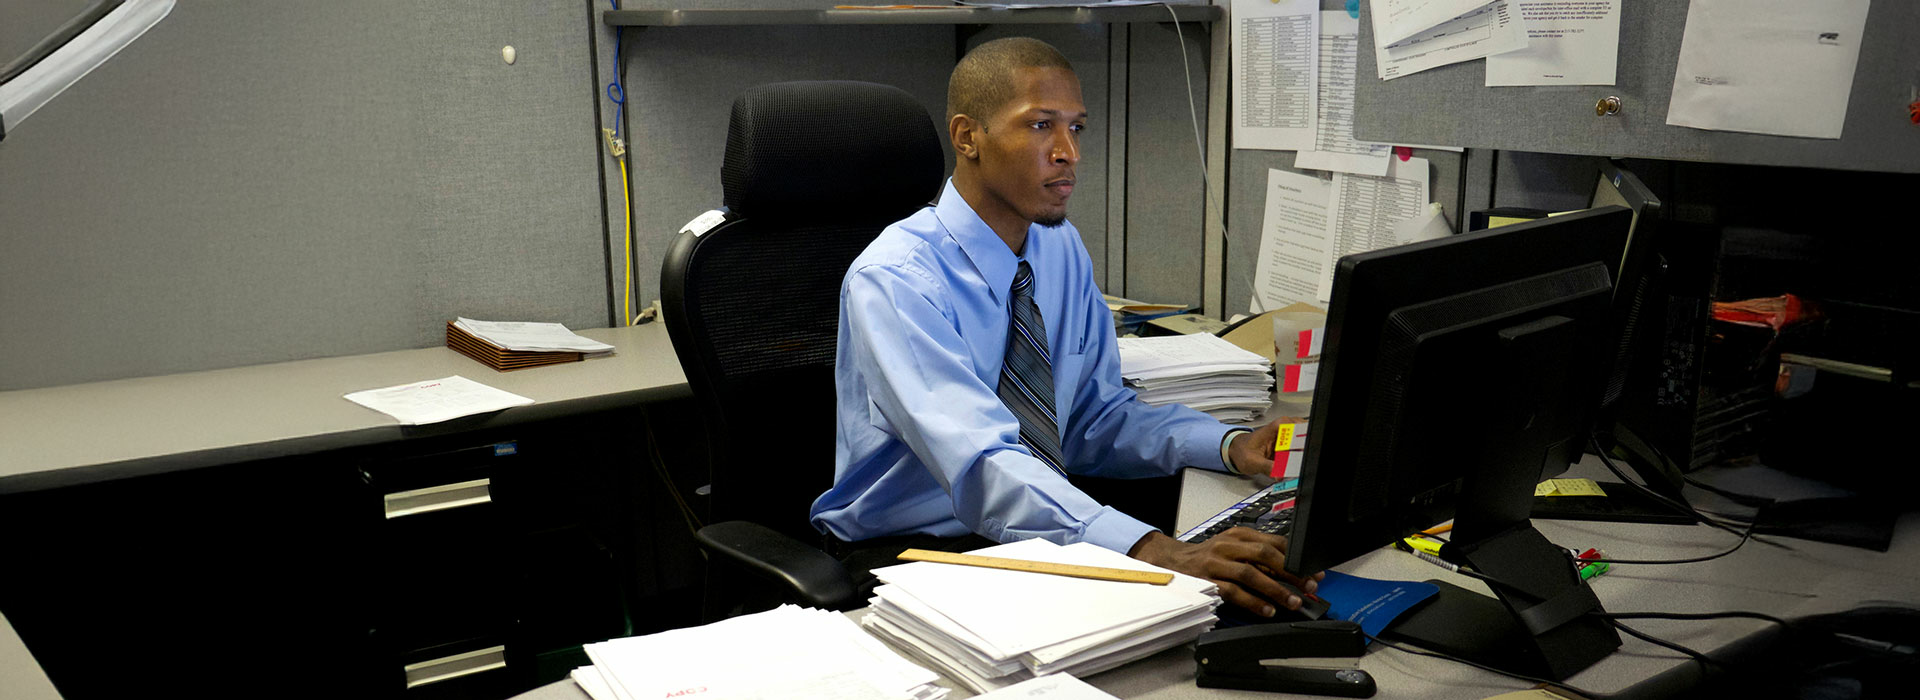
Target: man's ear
x,y
964,132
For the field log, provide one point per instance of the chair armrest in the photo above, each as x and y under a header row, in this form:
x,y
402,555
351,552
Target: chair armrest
x,y
819,580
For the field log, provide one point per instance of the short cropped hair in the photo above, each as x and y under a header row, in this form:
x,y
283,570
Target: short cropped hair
x,y
982,83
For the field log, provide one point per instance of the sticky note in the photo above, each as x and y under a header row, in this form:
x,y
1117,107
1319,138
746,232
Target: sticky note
x,y
1423,544
1284,440
1568,487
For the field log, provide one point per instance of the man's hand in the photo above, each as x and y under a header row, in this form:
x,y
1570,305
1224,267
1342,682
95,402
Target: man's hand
x,y
1245,564
1252,453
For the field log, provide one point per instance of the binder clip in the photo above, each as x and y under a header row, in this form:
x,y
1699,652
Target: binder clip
x,y
1231,658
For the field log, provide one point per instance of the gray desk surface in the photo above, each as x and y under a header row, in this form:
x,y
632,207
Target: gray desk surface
x,y
1806,579
81,433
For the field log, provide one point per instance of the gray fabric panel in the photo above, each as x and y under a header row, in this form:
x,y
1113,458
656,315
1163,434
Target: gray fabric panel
x,y
1545,180
1451,106
1247,207
256,182
1165,180
681,83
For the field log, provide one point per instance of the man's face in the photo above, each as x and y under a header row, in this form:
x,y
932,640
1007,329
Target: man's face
x,y
1030,147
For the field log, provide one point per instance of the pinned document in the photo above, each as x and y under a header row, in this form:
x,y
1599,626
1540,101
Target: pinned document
x,y
1334,147
1366,210
1275,71
1293,240
1489,30
1782,67
1569,42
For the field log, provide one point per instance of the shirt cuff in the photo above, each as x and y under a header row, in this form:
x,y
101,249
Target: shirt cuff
x,y
1226,440
1114,530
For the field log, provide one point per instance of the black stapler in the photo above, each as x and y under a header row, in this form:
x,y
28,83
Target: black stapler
x,y
1230,658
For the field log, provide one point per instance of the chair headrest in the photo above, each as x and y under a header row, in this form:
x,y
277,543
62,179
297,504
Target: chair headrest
x,y
845,150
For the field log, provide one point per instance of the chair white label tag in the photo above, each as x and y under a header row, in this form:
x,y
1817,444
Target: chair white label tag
x,y
703,223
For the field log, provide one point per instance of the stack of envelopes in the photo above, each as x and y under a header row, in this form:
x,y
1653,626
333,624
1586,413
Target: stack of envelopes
x,y
788,652
990,628
507,345
1199,370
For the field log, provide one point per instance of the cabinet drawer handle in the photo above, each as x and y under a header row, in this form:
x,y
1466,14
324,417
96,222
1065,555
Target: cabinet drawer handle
x,y
451,667
443,497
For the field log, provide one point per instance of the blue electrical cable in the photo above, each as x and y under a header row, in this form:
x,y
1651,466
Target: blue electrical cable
x,y
616,93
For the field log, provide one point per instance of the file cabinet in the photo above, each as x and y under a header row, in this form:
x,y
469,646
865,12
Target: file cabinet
x,y
466,563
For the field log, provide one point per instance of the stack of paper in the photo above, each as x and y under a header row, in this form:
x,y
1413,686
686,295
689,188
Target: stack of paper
x,y
787,652
508,345
990,628
1201,371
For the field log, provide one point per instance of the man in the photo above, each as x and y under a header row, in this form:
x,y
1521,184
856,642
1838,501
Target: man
x,y
977,363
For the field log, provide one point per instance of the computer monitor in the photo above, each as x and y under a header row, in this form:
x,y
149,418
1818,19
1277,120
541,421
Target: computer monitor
x,y
1646,412
1457,374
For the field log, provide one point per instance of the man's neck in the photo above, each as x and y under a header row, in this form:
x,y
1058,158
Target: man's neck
x,y
1009,226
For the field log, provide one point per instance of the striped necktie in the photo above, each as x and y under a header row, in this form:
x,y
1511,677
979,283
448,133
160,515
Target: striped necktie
x,y
1026,377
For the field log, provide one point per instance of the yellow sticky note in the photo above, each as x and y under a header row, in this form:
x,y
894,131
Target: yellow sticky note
x,y
1568,487
1284,440
1423,544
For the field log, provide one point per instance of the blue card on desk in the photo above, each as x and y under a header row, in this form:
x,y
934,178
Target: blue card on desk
x,y
1371,602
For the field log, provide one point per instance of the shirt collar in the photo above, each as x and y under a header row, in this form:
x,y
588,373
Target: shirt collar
x,y
990,255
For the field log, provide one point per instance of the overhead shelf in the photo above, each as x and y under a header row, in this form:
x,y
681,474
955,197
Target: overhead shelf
x,y
954,15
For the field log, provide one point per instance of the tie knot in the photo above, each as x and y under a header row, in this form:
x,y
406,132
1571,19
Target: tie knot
x,y
1023,280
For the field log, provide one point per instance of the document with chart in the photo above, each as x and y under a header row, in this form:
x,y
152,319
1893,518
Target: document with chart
x,y
1367,210
1486,31
1275,71
1334,147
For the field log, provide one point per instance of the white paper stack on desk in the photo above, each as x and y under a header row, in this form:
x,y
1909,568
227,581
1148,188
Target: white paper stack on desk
x,y
990,628
787,652
1201,371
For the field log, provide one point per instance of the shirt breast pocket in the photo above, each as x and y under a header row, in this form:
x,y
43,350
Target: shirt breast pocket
x,y
1067,369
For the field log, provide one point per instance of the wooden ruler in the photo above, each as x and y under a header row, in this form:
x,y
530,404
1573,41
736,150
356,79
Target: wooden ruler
x,y
1040,567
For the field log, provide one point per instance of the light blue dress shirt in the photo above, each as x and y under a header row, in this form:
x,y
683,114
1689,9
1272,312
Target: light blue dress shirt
x,y
925,446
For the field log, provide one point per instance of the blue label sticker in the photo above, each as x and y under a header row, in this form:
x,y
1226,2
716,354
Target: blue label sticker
x,y
505,448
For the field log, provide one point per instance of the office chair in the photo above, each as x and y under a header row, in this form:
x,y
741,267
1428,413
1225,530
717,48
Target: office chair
x,y
751,295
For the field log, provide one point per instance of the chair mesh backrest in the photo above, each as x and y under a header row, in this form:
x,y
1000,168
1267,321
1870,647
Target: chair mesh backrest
x,y
813,172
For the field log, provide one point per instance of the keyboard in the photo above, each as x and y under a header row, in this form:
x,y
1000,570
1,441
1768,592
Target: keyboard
x,y
1268,510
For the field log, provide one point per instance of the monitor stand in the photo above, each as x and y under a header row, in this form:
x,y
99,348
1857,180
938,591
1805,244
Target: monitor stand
x,y
1537,627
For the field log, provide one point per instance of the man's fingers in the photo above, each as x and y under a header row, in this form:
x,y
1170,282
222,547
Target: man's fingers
x,y
1260,605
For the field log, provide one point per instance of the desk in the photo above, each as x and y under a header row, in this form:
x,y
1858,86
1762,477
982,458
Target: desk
x,y
1810,578
302,537
201,419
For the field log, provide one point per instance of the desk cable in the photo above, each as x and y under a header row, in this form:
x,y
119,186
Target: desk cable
x,y
617,147
1530,679
666,476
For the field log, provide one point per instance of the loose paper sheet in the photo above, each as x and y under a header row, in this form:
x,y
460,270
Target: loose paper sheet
x,y
1782,67
1365,210
1275,70
1487,31
1569,42
1334,147
1293,240
438,400
1395,20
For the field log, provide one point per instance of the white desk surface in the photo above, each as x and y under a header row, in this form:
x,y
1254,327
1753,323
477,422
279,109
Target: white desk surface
x,y
81,433
1808,578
